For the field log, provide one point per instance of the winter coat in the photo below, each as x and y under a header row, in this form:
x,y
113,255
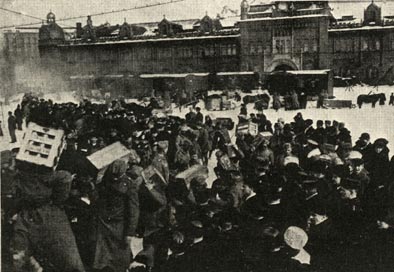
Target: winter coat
x,y
118,215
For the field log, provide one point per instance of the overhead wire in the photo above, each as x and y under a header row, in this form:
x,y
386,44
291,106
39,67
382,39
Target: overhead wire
x,y
93,15
20,13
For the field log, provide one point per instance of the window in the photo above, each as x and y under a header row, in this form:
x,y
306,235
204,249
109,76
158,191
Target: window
x,y
234,50
252,49
223,50
377,45
314,45
281,46
287,45
207,51
371,44
161,52
212,50
372,73
229,50
364,45
337,45
181,52
306,47
260,49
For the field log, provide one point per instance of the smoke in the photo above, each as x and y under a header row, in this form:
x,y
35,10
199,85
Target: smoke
x,y
31,77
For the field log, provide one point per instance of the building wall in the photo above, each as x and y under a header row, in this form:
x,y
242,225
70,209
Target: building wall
x,y
367,54
22,46
300,44
22,58
299,38
207,55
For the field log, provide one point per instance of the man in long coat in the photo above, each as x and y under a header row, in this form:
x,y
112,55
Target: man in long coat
x,y
118,215
12,126
42,229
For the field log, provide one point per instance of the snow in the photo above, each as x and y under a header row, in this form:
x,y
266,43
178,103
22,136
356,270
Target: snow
x,y
172,75
82,77
114,76
378,122
234,73
310,9
156,40
284,18
361,28
308,72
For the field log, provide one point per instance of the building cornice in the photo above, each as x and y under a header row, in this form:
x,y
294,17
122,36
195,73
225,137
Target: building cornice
x,y
154,40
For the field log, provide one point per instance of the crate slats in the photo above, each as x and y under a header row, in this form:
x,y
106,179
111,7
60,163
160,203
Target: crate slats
x,y
42,146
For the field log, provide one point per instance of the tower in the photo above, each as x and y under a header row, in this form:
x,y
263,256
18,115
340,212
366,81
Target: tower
x,y
51,18
373,15
244,9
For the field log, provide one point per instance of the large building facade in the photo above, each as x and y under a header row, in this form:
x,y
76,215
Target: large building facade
x,y
282,35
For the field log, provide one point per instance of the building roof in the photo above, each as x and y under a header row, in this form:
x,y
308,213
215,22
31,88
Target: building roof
x,y
172,75
187,28
308,72
361,28
341,8
284,18
230,21
234,73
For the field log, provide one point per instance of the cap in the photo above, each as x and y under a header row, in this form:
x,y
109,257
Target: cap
x,y
365,136
118,168
312,142
325,157
381,142
291,159
354,155
295,237
308,122
357,162
196,224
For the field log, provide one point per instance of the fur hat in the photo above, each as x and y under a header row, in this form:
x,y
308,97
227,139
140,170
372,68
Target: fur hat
x,y
295,237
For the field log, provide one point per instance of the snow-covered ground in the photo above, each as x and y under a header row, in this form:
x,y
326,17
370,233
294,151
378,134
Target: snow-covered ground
x,y
378,122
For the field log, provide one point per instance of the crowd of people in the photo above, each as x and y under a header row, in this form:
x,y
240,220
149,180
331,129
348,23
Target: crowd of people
x,y
294,196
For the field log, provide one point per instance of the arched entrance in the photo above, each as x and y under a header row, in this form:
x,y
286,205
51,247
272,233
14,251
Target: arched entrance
x,y
282,65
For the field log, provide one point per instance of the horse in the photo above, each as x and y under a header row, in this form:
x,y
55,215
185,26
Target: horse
x,y
254,98
262,104
371,98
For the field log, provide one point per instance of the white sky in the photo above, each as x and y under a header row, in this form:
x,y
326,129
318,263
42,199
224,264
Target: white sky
x,y
182,10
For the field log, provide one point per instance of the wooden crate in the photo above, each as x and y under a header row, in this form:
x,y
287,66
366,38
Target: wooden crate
x,y
226,105
213,103
249,127
253,129
225,122
104,157
193,172
243,128
337,104
41,146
